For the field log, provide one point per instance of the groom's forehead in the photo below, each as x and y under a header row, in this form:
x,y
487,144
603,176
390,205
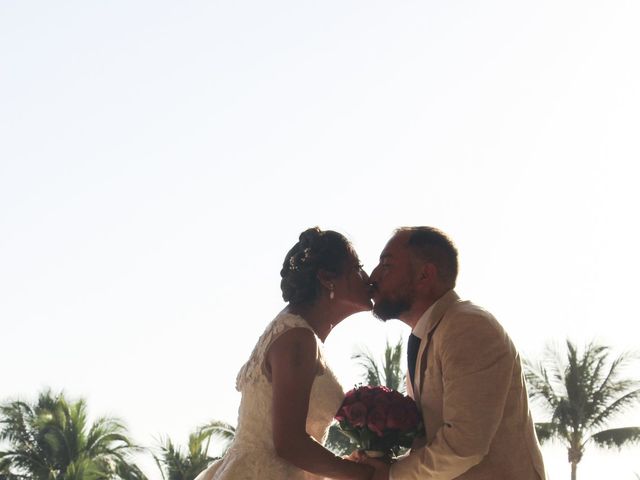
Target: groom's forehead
x,y
395,247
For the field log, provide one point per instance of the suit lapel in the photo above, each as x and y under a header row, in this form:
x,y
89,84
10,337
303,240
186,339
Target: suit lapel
x,y
407,382
438,310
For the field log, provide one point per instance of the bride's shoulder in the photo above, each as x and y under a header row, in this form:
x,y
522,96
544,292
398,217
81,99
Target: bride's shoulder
x,y
286,320
282,322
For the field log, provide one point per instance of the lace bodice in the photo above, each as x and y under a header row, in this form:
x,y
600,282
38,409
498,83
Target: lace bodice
x,y
252,454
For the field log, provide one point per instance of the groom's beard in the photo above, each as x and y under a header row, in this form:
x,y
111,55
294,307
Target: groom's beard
x,y
392,308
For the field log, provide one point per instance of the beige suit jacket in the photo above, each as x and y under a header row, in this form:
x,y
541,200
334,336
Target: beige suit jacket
x,y
473,401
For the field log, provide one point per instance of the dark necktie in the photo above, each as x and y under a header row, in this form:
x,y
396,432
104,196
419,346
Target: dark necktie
x,y
412,355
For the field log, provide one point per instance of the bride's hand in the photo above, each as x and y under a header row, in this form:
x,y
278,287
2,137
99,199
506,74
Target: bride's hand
x,y
353,456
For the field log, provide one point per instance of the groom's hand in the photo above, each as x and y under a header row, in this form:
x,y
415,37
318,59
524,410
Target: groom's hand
x,y
382,468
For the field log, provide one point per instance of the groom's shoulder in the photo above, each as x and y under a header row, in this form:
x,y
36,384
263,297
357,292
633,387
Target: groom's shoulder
x,y
465,314
474,326
469,309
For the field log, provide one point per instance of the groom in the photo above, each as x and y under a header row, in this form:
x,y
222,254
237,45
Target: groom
x,y
464,372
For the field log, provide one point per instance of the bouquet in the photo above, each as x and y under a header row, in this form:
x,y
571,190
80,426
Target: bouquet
x,y
379,420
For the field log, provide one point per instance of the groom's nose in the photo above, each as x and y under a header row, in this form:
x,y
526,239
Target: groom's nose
x,y
374,276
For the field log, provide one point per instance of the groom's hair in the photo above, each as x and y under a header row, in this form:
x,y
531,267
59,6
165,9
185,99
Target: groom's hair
x,y
434,246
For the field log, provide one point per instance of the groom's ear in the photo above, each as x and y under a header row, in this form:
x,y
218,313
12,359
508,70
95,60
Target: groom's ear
x,y
427,275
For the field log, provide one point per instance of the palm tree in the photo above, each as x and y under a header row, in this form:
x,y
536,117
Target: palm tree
x,y
387,373
175,464
52,439
583,392
221,430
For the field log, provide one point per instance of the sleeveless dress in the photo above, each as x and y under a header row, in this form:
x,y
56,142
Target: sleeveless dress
x,y
252,454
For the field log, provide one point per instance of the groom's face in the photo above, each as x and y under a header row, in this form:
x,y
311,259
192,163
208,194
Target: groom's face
x,y
392,279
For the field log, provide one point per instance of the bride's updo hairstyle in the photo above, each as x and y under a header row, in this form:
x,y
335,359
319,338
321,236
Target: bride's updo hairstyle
x,y
316,250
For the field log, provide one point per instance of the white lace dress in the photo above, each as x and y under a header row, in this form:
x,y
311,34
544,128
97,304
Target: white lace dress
x,y
252,454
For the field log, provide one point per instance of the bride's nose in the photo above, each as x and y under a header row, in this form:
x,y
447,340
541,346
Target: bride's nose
x,y
373,275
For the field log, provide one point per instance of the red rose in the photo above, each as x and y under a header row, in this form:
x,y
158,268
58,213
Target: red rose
x,y
382,401
381,390
367,398
398,417
371,396
377,420
355,414
413,418
351,396
396,397
403,414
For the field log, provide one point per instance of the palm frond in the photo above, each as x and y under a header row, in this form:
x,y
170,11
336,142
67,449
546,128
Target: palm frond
x,y
388,372
617,437
540,385
178,465
546,431
393,377
615,408
128,471
365,359
220,429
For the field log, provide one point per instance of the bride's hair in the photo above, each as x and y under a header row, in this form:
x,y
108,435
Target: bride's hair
x,y
316,250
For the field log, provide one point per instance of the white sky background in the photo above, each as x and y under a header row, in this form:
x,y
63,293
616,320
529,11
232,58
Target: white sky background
x,y
158,159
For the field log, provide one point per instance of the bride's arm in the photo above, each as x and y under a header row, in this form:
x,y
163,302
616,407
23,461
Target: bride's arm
x,y
292,363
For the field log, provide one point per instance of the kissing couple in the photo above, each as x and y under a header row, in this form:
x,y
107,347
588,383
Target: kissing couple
x,y
464,372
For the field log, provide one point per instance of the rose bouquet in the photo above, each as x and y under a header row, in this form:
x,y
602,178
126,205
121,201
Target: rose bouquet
x,y
379,420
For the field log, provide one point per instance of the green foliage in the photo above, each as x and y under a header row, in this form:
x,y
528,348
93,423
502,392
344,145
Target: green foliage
x,y
51,439
220,430
178,465
388,373
583,391
338,441
616,437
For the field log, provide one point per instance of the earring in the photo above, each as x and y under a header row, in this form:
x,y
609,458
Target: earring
x,y
331,295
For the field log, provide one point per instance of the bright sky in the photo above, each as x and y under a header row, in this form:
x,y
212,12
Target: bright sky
x,y
158,159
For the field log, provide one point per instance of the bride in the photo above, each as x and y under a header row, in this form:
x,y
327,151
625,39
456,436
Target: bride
x,y
289,394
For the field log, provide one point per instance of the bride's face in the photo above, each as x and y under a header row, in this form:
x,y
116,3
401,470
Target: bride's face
x,y
353,287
